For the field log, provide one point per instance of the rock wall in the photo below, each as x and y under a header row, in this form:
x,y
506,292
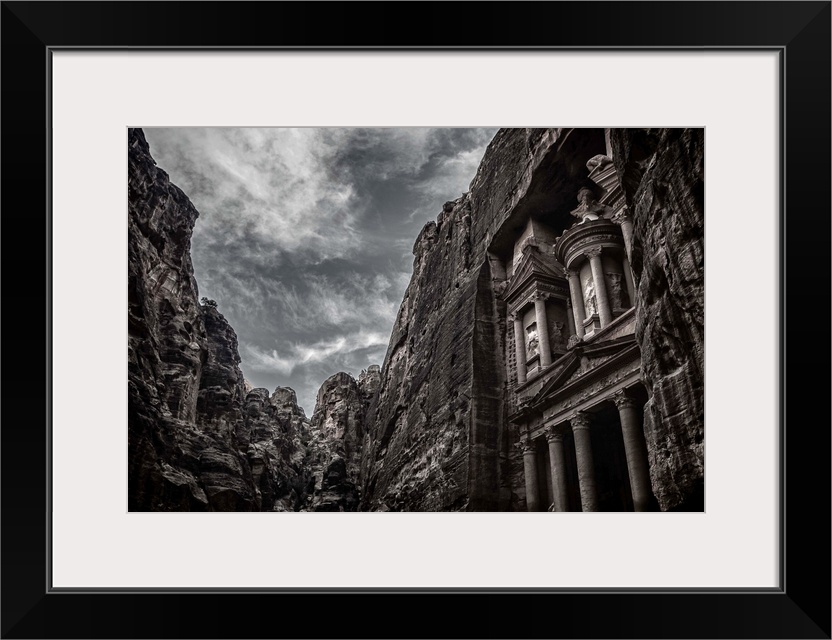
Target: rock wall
x,y
167,341
337,433
662,173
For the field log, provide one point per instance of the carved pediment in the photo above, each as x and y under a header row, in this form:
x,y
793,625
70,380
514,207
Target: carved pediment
x,y
533,267
585,363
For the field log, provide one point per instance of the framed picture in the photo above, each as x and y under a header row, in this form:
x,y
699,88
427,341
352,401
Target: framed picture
x,y
80,78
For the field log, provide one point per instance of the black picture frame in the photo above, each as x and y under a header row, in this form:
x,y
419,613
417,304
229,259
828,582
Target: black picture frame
x,y
800,31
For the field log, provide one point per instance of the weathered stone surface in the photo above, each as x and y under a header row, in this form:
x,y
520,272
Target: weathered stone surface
x,y
167,343
278,432
337,435
663,178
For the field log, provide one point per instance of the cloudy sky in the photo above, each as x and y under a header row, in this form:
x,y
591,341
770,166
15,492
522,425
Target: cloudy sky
x,y
305,236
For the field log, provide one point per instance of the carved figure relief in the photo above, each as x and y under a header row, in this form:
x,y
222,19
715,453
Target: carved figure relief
x,y
532,342
616,291
556,336
589,298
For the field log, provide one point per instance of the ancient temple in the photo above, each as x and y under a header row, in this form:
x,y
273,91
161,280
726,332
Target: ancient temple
x,y
573,364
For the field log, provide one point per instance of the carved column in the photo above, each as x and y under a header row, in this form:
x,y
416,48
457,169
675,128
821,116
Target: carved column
x,y
623,219
635,449
570,318
557,459
577,302
586,467
530,468
519,347
542,329
601,296
628,278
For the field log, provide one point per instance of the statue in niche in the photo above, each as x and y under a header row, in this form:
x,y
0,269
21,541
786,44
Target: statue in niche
x,y
556,339
532,342
589,208
589,299
616,291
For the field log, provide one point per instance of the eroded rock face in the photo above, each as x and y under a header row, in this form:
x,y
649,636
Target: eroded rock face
x,y
337,434
278,432
663,178
167,342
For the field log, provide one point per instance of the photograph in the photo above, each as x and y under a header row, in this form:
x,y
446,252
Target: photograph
x,y
439,287
416,319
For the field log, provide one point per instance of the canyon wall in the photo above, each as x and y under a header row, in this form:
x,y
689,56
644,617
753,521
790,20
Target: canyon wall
x,y
662,173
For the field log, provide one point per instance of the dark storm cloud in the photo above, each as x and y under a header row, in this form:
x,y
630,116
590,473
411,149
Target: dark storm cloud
x,y
305,235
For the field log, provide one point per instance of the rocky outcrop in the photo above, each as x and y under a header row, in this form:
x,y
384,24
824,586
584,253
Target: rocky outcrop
x,y
337,434
167,342
662,173
276,448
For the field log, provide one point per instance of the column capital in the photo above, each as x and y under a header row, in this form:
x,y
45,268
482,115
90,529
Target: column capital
x,y
514,316
540,295
527,445
571,273
594,252
622,216
623,400
553,435
581,420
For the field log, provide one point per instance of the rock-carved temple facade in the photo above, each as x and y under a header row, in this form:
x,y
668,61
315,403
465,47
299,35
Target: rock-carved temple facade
x,y
574,366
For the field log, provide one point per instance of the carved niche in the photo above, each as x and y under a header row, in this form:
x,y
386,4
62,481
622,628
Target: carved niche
x,y
557,336
532,341
589,298
617,291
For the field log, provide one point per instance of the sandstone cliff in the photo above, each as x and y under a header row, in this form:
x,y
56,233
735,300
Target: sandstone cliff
x,y
337,432
662,174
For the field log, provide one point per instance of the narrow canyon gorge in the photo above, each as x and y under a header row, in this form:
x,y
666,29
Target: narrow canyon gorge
x,y
556,306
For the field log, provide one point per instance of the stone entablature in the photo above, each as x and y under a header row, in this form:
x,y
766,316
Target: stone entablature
x,y
584,236
550,405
